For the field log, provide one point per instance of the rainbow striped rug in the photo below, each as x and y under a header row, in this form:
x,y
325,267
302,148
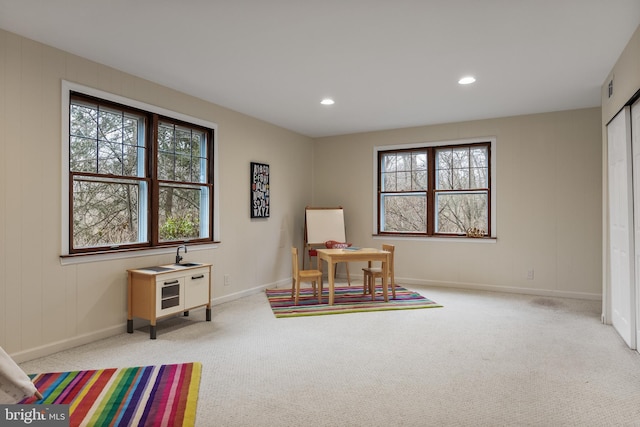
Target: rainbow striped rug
x,y
163,395
347,299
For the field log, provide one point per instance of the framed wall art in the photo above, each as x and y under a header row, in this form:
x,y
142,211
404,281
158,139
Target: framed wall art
x,y
260,206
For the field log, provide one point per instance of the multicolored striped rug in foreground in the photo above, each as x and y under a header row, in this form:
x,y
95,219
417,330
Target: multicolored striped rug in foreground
x,y
347,299
163,395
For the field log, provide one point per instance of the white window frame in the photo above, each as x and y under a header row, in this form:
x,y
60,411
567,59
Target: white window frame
x,y
494,187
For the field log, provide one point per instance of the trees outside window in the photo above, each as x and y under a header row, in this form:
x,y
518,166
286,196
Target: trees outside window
x,y
435,190
136,179
182,179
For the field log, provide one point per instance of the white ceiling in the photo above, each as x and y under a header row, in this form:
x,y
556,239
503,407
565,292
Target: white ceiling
x,y
387,64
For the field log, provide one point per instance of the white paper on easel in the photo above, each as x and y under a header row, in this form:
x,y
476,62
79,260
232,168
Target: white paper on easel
x,y
323,224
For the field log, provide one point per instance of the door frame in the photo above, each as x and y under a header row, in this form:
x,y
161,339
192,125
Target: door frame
x,y
622,303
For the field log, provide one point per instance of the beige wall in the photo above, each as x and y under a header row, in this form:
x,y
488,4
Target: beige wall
x,y
548,204
45,306
626,79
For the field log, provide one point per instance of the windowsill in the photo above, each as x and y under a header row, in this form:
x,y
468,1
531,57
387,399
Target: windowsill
x,y
81,258
457,239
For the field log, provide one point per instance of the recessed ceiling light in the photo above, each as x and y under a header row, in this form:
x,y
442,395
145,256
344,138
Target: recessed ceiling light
x,y
327,101
466,80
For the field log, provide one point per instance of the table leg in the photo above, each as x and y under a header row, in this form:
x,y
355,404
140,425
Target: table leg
x,y
319,266
385,279
331,272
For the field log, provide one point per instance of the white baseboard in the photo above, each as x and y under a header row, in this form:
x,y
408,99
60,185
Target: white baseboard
x,y
66,344
247,292
48,349
506,289
486,287
342,276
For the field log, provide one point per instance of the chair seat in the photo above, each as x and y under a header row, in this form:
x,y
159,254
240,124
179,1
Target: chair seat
x,y
372,273
310,274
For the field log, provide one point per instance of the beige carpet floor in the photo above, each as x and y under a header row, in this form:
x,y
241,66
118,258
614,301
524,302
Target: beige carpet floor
x,y
484,359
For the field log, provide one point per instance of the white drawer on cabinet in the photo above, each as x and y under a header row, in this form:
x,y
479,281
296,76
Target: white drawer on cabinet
x,y
169,296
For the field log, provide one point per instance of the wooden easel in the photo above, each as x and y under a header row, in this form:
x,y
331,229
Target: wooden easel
x,y
320,226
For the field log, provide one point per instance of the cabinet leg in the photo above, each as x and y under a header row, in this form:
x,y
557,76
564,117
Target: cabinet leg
x,y
152,332
186,314
208,311
130,326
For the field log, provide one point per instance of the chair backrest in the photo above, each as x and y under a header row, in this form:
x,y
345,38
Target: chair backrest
x,y
390,248
294,262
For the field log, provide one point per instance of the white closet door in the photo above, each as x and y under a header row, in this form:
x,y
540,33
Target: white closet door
x,y
621,245
635,148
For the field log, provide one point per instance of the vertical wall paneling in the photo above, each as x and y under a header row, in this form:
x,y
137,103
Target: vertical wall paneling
x,y
55,304
28,188
12,173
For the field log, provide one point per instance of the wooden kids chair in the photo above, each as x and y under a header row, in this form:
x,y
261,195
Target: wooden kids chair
x,y
371,273
313,276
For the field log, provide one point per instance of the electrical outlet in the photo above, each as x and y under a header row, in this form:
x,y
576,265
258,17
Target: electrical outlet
x,y
530,274
227,280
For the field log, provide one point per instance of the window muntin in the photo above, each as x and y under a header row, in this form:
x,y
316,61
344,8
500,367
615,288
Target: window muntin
x,y
129,190
404,171
182,176
182,154
404,182
106,149
434,190
458,171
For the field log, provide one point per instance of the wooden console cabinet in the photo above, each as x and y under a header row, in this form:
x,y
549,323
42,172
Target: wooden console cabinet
x,y
162,291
